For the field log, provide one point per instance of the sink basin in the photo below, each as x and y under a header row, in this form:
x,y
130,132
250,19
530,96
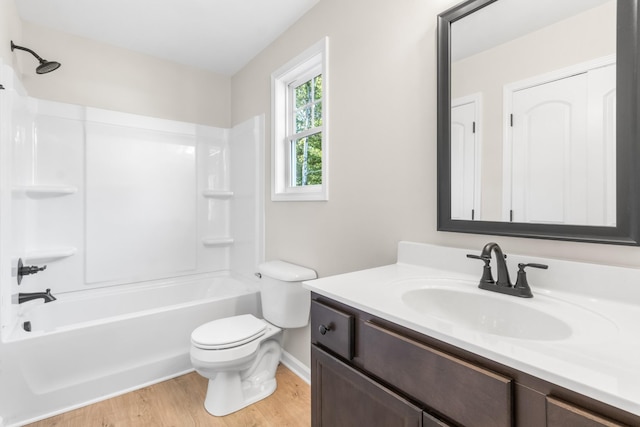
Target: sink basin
x,y
540,318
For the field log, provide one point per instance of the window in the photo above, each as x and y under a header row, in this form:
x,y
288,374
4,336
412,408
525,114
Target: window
x,y
300,137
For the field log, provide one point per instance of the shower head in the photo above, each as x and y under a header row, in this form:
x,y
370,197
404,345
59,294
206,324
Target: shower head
x,y
45,66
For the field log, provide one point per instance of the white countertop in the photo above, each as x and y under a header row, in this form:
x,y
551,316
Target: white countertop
x,y
604,366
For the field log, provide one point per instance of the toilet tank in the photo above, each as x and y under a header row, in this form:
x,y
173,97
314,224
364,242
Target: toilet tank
x,y
285,303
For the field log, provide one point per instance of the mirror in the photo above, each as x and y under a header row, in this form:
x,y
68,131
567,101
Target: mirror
x,y
534,140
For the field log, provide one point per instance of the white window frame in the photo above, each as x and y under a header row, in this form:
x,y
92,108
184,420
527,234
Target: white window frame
x,y
308,64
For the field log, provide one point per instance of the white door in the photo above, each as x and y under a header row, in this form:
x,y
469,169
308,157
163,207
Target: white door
x,y
562,168
463,161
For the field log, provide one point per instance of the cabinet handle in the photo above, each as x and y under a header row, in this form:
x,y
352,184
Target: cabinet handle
x,y
324,329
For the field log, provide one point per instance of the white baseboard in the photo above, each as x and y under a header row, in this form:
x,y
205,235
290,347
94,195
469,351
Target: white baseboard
x,y
296,366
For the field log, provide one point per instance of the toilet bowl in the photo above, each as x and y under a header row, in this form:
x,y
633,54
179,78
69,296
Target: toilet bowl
x,y
240,354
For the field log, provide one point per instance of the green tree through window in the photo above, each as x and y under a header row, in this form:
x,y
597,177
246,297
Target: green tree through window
x,y
306,146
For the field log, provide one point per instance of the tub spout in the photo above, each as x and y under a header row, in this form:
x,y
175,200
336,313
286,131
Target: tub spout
x,y
28,296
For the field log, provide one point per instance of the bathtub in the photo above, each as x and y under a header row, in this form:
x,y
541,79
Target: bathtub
x,y
84,348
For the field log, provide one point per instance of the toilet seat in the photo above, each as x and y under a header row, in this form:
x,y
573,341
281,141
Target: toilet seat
x,y
228,333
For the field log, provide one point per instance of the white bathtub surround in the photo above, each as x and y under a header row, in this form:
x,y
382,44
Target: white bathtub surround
x,y
148,227
118,198
604,366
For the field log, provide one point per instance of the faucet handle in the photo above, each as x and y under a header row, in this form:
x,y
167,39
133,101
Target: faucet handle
x,y
25,270
484,258
486,270
521,281
522,266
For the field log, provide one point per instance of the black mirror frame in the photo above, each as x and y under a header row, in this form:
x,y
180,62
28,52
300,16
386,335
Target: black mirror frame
x,y
627,230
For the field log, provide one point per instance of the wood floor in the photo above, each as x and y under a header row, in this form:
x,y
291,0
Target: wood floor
x,y
179,403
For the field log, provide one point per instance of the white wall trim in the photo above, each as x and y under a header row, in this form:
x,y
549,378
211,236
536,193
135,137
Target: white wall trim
x,y
280,190
296,366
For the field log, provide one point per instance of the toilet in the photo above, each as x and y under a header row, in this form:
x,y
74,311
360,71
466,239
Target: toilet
x,y
239,355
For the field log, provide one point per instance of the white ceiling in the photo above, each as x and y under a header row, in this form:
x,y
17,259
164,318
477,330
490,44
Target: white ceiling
x,y
218,35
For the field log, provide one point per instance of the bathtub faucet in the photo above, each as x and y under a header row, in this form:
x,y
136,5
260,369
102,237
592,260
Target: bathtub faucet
x,y
25,270
28,296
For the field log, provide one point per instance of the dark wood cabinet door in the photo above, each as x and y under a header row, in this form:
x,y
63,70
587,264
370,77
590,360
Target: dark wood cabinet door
x,y
563,414
343,397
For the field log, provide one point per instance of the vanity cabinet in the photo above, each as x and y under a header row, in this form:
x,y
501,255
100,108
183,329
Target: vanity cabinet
x,y
369,371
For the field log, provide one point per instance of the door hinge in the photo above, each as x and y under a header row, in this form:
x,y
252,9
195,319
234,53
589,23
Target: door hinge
x,y
511,120
473,214
511,215
474,127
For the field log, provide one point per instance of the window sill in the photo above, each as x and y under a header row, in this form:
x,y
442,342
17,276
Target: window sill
x,y
300,197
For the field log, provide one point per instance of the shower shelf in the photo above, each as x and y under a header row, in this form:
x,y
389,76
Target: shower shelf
x,y
48,255
217,241
42,191
217,194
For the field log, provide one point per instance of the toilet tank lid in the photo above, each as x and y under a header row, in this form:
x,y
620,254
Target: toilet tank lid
x,y
285,271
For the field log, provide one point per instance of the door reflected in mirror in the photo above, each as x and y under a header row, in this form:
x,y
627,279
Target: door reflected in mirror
x,y
533,113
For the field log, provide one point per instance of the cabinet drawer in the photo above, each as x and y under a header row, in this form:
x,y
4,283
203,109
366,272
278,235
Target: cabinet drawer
x,y
465,393
563,414
332,329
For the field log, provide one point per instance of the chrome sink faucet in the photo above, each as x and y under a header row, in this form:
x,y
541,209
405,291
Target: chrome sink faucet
x,y
503,284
